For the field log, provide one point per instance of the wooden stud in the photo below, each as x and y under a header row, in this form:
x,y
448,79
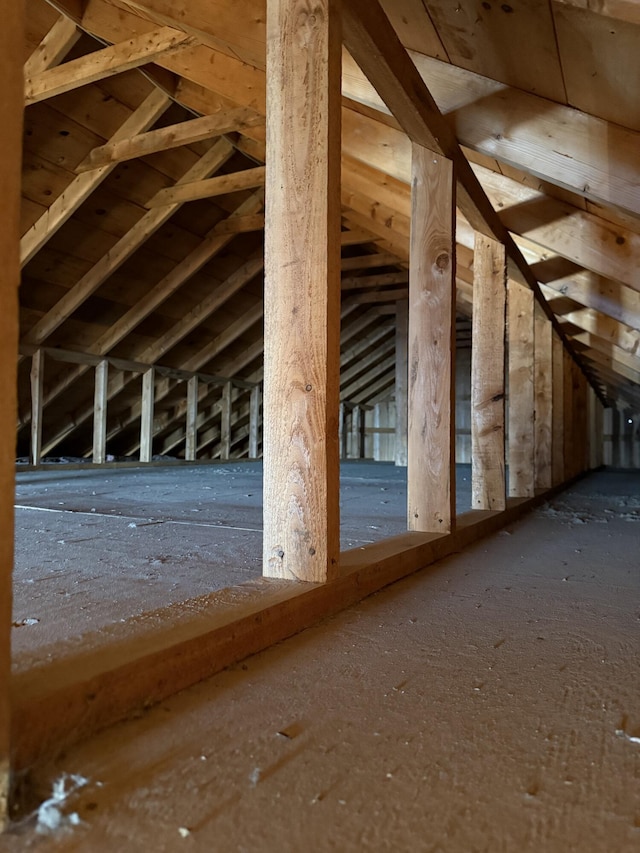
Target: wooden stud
x,y
402,379
191,449
543,391
11,99
210,187
254,422
488,487
568,419
557,438
146,415
521,391
37,388
302,291
431,469
100,412
225,421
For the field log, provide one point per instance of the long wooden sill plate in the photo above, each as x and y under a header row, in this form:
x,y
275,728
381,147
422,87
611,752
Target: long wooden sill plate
x,y
95,680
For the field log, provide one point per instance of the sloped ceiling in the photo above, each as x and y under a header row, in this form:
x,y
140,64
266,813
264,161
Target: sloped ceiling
x,y
124,258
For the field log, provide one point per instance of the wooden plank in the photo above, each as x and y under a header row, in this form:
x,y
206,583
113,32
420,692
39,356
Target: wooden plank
x,y
557,443
521,391
402,380
172,136
123,249
384,279
247,179
254,422
543,389
11,57
365,262
302,292
146,416
37,387
131,53
53,48
81,187
100,413
225,421
191,448
609,297
488,486
432,346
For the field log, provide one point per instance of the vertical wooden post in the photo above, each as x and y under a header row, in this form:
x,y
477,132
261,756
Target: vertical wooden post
x,y
191,445
402,377
146,416
341,430
100,401
254,422
488,486
302,291
557,439
37,386
521,392
543,389
568,401
225,421
431,472
357,433
11,105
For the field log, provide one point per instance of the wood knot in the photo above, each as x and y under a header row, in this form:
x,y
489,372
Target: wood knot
x,y
442,261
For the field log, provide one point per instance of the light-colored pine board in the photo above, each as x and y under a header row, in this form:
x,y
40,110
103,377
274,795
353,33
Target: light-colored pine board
x,y
37,388
192,420
431,348
254,422
221,185
100,412
225,421
521,391
11,58
302,292
414,27
402,379
53,48
488,486
543,384
146,415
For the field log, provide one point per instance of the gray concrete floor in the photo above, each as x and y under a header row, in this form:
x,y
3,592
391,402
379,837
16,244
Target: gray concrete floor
x,y
94,547
488,703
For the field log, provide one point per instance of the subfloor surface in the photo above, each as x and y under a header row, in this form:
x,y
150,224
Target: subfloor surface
x,y
95,547
489,703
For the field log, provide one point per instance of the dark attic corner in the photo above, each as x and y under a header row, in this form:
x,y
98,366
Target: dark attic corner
x,y
320,444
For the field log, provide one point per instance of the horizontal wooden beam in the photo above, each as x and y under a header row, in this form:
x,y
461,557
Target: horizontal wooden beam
x,y
172,136
103,63
221,185
358,282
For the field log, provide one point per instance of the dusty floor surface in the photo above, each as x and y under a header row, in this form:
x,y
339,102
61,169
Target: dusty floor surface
x,y
94,547
490,703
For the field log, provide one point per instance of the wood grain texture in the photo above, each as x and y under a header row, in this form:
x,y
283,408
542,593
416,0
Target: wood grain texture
x,y
11,100
543,390
146,415
488,484
191,428
557,440
521,391
302,291
100,412
37,387
431,349
402,379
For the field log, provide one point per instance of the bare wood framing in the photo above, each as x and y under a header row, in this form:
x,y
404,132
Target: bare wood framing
x,y
302,292
53,48
432,342
103,63
37,387
225,421
11,100
254,422
402,379
557,444
488,487
100,412
543,389
521,391
192,420
146,416
247,179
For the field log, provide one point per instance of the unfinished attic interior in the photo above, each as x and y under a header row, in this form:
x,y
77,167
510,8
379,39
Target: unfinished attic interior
x,y
298,299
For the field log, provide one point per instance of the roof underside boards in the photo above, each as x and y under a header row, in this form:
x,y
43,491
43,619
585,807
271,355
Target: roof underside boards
x,y
143,200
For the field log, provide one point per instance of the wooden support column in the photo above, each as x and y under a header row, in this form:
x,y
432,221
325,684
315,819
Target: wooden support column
x,y
568,403
191,445
521,390
402,378
100,412
341,425
357,433
146,415
302,291
557,438
225,421
431,471
254,422
37,389
488,484
12,40
543,390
